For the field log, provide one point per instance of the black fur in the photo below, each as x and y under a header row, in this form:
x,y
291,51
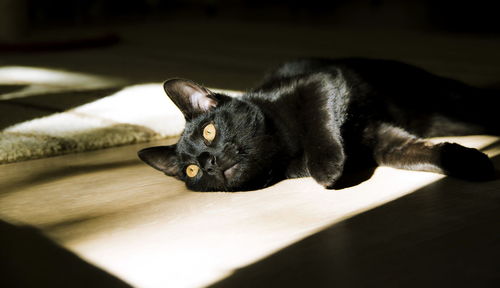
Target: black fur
x,y
320,118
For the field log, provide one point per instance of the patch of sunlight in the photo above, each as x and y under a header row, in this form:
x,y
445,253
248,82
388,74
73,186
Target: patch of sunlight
x,y
41,81
485,143
196,239
144,105
203,247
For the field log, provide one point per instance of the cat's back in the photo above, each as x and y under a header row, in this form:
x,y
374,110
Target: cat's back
x,y
353,69
361,87
368,80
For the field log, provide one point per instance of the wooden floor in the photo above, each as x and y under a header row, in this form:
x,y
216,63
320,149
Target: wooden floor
x,y
65,218
150,231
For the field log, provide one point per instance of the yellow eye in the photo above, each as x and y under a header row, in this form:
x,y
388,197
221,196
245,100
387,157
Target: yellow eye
x,y
209,132
192,170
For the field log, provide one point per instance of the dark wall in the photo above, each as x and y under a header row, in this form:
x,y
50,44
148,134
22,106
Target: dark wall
x,y
471,16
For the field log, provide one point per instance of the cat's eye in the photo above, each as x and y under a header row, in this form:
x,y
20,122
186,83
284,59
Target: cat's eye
x,y
209,132
192,170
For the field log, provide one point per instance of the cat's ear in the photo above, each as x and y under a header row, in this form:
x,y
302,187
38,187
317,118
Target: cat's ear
x,y
191,98
161,158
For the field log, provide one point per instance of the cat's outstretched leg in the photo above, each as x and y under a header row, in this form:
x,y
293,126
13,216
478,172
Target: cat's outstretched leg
x,y
323,150
397,148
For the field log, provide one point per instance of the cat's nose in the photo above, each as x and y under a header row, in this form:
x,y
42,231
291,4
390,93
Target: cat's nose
x,y
208,162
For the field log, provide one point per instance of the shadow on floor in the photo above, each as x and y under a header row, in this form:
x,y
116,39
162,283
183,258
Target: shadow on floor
x,y
69,171
29,259
354,178
445,234
9,88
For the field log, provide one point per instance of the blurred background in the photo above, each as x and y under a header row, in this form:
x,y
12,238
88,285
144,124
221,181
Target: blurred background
x,y
458,16
230,43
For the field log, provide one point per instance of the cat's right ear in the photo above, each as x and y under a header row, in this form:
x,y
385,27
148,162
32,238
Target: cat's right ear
x,y
191,98
162,158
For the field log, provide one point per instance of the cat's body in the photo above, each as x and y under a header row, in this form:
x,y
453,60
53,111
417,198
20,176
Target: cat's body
x,y
319,118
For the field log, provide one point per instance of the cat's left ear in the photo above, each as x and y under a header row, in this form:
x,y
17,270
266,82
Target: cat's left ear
x,y
161,158
191,98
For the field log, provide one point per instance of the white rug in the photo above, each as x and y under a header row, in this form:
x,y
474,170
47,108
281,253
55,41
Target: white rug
x,y
134,114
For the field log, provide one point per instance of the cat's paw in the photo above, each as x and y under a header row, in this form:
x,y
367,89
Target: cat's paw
x,y
465,163
325,172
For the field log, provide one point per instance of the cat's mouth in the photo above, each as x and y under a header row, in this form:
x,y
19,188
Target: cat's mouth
x,y
229,173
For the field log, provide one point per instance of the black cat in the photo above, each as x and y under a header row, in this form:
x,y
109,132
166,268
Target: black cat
x,y
320,118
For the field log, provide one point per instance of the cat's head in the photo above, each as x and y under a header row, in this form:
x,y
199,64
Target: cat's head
x,y
225,145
